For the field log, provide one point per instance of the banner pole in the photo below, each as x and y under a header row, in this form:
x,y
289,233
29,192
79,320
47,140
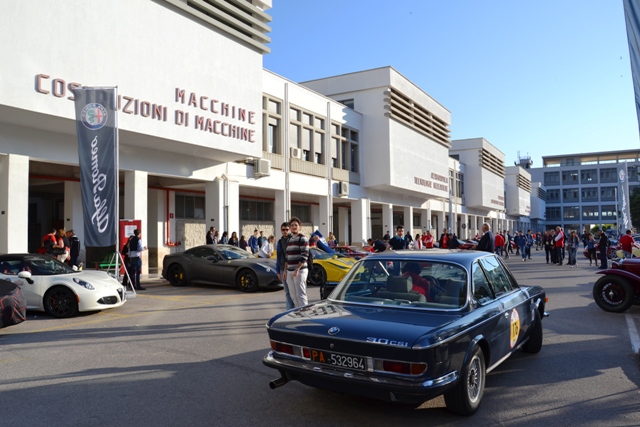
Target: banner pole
x,y
117,182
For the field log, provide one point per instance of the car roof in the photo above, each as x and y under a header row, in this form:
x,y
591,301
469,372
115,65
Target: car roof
x,y
465,257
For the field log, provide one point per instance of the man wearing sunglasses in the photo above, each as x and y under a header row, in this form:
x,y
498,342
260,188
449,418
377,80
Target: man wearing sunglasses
x,y
281,261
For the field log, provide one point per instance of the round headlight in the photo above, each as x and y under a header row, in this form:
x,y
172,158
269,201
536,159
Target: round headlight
x,y
84,284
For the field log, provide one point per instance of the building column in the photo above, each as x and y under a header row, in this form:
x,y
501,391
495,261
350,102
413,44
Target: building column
x,y
73,215
14,204
425,220
387,219
408,220
214,205
360,221
343,226
232,207
159,223
279,208
442,222
465,230
324,216
135,206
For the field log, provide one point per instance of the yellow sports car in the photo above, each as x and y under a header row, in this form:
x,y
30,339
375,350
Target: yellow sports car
x,y
328,267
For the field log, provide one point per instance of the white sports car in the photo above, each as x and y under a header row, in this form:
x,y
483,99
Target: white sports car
x,y
56,288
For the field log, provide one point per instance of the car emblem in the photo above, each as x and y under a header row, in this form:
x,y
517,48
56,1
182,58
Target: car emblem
x,y
334,330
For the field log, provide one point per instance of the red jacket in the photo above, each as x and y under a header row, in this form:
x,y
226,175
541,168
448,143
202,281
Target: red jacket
x,y
559,240
627,242
499,240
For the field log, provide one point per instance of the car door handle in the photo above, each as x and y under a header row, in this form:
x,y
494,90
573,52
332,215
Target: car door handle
x,y
506,315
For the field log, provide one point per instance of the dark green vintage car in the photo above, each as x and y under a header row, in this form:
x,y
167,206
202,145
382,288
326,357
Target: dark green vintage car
x,y
410,326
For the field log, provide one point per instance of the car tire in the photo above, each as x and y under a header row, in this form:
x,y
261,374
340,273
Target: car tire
x,y
177,275
318,276
465,397
60,302
613,294
534,343
247,281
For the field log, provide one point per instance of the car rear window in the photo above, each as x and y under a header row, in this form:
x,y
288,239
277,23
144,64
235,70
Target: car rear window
x,y
406,283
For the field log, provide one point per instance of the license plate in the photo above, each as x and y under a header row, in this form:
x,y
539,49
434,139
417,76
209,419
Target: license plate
x,y
340,360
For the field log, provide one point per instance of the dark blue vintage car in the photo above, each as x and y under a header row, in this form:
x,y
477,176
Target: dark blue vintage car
x,y
410,326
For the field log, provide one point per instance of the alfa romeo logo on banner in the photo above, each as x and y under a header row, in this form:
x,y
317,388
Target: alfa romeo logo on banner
x,y
93,116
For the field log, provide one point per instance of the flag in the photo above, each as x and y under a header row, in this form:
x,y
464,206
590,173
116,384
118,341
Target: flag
x,y
632,19
97,152
624,221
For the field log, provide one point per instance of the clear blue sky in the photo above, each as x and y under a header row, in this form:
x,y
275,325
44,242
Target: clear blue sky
x,y
543,77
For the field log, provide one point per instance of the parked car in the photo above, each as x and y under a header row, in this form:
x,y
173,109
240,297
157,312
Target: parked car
x,y
328,270
619,288
221,265
612,251
355,252
52,286
409,326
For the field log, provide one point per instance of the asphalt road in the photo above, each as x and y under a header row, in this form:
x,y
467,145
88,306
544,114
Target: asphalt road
x,y
192,356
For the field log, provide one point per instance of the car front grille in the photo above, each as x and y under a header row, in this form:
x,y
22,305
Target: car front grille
x,y
108,300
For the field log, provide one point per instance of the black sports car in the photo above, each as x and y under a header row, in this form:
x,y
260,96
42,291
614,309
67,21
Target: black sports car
x,y
221,265
410,326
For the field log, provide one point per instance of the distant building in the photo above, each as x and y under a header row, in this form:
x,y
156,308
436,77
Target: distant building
x,y
582,189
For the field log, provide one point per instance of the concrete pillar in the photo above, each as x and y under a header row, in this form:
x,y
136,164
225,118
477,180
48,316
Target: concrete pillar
x,y
425,220
135,206
14,203
387,219
232,207
324,216
360,221
343,226
441,222
465,230
408,221
214,205
156,236
280,209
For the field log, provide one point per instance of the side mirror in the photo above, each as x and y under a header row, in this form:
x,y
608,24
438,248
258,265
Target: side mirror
x,y
26,275
212,258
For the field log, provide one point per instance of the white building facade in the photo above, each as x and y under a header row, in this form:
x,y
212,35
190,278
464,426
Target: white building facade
x,y
209,138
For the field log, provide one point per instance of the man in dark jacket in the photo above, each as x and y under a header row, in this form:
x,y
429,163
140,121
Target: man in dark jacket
x,y
487,241
399,241
281,261
603,246
74,248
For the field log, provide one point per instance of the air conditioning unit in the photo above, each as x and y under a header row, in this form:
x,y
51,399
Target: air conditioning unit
x,y
343,188
261,167
296,152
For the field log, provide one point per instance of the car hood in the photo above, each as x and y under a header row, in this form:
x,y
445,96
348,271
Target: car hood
x,y
96,278
362,323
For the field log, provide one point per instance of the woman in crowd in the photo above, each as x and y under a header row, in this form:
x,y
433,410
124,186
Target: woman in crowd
x,y
243,243
225,238
234,239
266,250
572,244
591,249
332,241
63,243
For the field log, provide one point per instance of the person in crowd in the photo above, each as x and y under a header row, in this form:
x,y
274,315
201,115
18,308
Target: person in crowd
x,y
585,237
507,243
420,284
297,271
62,243
427,240
378,245
233,240
216,237
572,243
409,240
417,242
549,245
603,246
487,241
332,241
626,242
261,239
266,250
399,241
126,260
135,255
559,245
452,241
509,239
254,244
210,234
521,242
74,248
529,243
225,238
499,243
243,244
386,236
443,242
48,242
591,249
281,262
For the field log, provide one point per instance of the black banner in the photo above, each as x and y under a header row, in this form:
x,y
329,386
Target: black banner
x,y
97,152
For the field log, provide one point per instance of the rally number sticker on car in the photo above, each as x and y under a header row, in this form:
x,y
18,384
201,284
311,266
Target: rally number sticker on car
x,y
515,327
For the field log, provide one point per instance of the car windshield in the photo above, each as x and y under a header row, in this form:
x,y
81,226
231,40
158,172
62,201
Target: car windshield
x,y
427,284
232,252
47,266
320,254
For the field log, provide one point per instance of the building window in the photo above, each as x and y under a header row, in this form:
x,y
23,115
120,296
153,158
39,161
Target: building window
x,y
189,207
272,119
570,195
590,213
303,212
311,130
571,212
589,176
589,194
253,210
608,194
552,213
608,212
552,178
609,175
346,142
459,184
632,173
417,221
570,177
553,195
